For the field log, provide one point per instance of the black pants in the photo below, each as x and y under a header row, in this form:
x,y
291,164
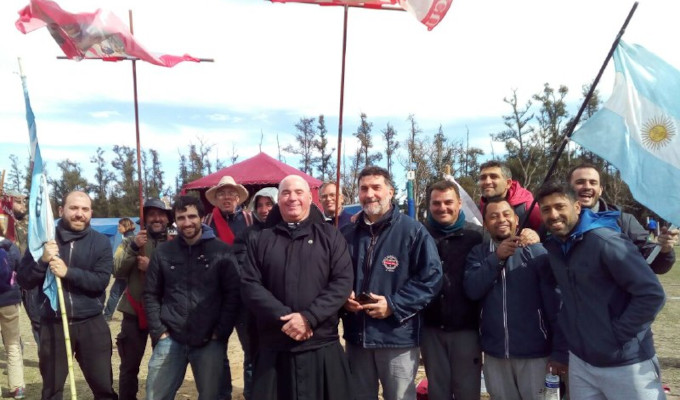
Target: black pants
x,y
131,343
320,374
91,343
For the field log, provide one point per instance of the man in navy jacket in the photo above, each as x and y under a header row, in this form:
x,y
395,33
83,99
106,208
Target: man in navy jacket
x,y
610,299
519,306
397,273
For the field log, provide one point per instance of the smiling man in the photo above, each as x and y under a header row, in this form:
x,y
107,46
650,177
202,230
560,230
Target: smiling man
x,y
130,263
296,277
397,273
82,258
450,343
610,299
331,205
518,308
585,180
495,180
191,298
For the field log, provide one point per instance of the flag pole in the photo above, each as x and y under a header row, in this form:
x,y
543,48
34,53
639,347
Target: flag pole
x,y
60,292
570,130
67,339
342,105
139,151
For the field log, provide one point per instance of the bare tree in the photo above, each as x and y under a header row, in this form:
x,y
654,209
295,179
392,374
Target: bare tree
x,y
391,145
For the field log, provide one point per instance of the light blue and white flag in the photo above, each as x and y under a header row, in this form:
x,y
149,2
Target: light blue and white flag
x,y
40,217
637,129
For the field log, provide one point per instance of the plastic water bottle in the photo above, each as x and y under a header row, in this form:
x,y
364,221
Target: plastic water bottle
x,y
552,387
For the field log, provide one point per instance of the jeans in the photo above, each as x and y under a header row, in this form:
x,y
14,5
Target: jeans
x,y
168,365
640,381
116,291
395,369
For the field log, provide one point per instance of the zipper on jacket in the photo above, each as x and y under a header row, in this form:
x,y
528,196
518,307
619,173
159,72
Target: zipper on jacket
x,y
541,324
505,315
368,260
70,298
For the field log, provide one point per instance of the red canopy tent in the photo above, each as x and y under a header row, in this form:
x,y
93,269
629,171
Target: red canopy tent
x,y
254,173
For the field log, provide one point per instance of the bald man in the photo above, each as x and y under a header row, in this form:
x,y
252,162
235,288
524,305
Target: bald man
x,y
296,277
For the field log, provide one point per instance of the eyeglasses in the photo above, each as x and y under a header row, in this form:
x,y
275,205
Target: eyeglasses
x,y
226,195
330,196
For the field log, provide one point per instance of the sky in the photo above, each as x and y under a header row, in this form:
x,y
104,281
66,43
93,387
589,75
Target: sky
x,y
276,63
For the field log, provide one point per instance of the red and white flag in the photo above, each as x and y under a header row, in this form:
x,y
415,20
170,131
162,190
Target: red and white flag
x,y
100,34
429,12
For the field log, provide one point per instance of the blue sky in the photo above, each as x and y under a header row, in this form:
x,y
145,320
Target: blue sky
x,y
275,63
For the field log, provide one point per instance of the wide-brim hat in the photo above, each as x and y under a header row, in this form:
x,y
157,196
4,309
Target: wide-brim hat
x,y
226,181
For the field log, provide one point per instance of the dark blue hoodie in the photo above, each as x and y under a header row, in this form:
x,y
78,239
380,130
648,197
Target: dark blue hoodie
x,y
610,296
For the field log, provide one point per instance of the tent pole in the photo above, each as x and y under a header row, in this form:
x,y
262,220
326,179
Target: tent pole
x,y
342,103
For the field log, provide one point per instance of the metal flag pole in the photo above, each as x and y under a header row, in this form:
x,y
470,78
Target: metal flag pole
x,y
570,131
342,104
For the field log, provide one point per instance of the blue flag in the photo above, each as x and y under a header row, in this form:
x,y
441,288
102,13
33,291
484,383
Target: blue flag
x,y
637,129
40,217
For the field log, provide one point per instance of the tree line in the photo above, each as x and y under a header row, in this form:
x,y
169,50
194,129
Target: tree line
x,y
533,132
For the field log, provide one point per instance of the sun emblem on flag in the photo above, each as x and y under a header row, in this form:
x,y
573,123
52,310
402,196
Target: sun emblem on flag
x,y
657,132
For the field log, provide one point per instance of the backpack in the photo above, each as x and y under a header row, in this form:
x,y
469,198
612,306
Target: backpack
x,y
6,271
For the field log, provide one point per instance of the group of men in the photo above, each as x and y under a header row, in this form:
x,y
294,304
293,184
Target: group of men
x,y
283,275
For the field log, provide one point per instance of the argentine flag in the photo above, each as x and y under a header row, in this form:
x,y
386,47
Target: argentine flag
x,y
637,129
40,217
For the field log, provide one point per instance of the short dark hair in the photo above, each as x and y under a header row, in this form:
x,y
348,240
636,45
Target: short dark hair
x,y
581,166
127,224
326,183
442,186
493,200
507,174
73,192
183,202
556,187
376,171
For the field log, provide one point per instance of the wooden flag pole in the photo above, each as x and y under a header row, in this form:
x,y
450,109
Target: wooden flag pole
x,y
572,126
67,339
139,147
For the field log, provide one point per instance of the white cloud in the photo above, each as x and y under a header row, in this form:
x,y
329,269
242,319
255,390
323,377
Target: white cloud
x,y
285,59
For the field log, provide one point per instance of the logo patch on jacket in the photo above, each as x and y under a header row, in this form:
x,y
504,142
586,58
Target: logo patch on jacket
x,y
390,263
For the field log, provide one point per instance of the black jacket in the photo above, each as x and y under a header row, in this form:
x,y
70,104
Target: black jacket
x,y
89,259
451,309
306,270
632,228
9,289
191,292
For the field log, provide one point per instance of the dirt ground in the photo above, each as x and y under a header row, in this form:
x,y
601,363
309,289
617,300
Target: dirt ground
x,y
665,329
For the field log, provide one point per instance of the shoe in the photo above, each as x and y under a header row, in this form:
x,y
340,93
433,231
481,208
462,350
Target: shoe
x,y
18,393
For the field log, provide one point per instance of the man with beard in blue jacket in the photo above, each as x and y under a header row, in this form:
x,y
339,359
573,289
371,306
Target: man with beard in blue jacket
x,y
610,299
83,259
397,273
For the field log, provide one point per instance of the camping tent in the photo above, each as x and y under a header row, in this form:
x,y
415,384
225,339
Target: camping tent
x,y
254,173
109,227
